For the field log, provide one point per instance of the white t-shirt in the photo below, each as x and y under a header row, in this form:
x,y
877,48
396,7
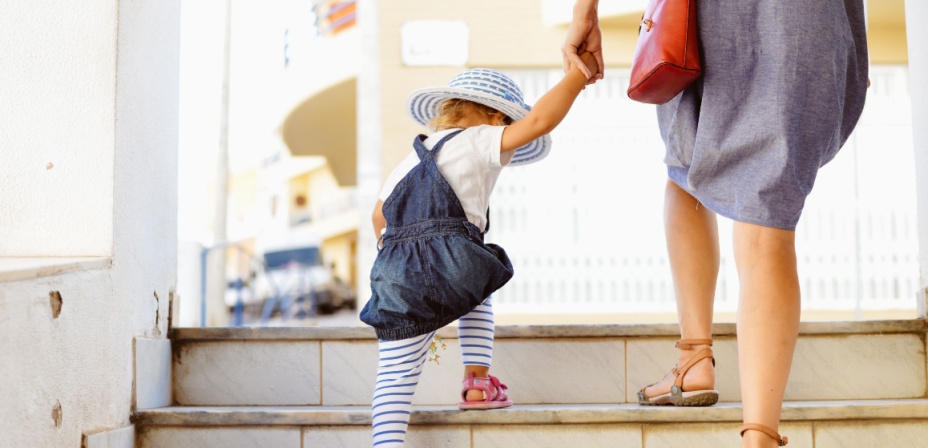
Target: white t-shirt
x,y
470,162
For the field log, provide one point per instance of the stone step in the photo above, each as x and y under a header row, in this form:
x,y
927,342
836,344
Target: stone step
x,y
542,364
842,423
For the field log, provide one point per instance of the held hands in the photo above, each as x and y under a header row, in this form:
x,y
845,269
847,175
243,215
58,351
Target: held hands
x,y
590,65
584,35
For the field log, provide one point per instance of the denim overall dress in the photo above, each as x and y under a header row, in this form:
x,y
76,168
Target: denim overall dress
x,y
433,267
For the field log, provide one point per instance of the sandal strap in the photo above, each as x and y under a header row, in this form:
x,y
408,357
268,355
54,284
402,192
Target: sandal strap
x,y
492,388
687,344
699,356
773,434
500,389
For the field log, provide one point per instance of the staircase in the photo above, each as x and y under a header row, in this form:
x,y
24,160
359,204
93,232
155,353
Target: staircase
x,y
853,384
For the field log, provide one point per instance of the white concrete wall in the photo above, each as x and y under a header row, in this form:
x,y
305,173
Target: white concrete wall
x,y
93,88
916,12
56,127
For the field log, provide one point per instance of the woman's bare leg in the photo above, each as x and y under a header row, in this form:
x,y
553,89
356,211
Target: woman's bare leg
x,y
768,323
693,248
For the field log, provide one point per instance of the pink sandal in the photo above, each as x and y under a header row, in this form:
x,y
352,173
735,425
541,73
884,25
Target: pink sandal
x,y
494,393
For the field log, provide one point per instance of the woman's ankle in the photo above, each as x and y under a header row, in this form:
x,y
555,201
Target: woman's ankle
x,y
687,354
752,439
700,375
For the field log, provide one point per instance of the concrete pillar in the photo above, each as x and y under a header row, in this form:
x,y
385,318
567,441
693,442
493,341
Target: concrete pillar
x,y
370,140
88,168
916,15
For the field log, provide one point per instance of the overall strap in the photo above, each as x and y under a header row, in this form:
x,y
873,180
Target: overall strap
x,y
423,152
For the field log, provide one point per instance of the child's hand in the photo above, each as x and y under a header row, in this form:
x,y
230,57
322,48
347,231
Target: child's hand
x,y
591,63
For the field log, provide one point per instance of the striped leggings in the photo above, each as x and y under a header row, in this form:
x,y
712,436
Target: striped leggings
x,y
401,364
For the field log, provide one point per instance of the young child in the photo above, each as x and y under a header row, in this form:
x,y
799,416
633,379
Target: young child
x,y
433,266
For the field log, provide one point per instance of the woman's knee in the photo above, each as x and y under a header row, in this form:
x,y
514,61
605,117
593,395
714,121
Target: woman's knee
x,y
753,241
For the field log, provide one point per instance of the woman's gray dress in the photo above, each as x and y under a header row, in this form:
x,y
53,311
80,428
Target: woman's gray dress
x,y
783,85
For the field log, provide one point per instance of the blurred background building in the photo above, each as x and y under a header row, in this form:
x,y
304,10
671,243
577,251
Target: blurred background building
x,y
316,120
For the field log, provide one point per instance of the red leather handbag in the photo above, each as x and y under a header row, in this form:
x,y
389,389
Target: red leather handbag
x,y
667,56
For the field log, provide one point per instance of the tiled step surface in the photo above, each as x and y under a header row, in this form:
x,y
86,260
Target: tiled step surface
x,y
595,364
846,424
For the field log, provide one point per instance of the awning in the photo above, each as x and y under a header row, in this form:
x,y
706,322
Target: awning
x,y
325,124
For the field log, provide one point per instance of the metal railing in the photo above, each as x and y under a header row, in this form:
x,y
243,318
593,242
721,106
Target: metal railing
x,y
288,303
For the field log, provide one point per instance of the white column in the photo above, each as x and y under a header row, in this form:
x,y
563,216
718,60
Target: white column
x,y
88,167
370,140
916,15
215,314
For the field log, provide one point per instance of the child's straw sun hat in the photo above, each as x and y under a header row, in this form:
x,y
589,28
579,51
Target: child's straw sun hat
x,y
488,87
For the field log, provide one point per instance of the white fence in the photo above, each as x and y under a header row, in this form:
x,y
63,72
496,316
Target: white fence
x,y
584,228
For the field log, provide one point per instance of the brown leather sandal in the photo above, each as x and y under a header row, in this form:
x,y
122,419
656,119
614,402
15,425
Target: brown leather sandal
x,y
677,396
773,434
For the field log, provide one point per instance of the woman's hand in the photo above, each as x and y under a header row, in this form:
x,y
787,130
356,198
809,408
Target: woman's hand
x,y
584,34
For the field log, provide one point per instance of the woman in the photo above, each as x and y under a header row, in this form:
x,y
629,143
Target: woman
x,y
783,86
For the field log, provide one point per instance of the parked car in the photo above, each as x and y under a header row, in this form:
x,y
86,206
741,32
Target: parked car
x,y
297,281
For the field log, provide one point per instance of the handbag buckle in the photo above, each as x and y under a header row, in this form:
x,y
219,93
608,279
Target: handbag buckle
x,y
648,23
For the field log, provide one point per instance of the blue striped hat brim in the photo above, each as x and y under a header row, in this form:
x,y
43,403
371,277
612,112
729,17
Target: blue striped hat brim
x,y
422,105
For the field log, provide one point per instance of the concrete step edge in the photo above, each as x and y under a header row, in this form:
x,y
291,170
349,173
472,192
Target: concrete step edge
x,y
200,416
181,335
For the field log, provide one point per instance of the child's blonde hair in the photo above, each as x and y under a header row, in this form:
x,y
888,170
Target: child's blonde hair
x,y
458,113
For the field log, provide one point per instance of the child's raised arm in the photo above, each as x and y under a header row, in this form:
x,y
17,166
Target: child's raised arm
x,y
550,109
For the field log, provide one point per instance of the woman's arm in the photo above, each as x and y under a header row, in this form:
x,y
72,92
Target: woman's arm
x,y
550,109
584,34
